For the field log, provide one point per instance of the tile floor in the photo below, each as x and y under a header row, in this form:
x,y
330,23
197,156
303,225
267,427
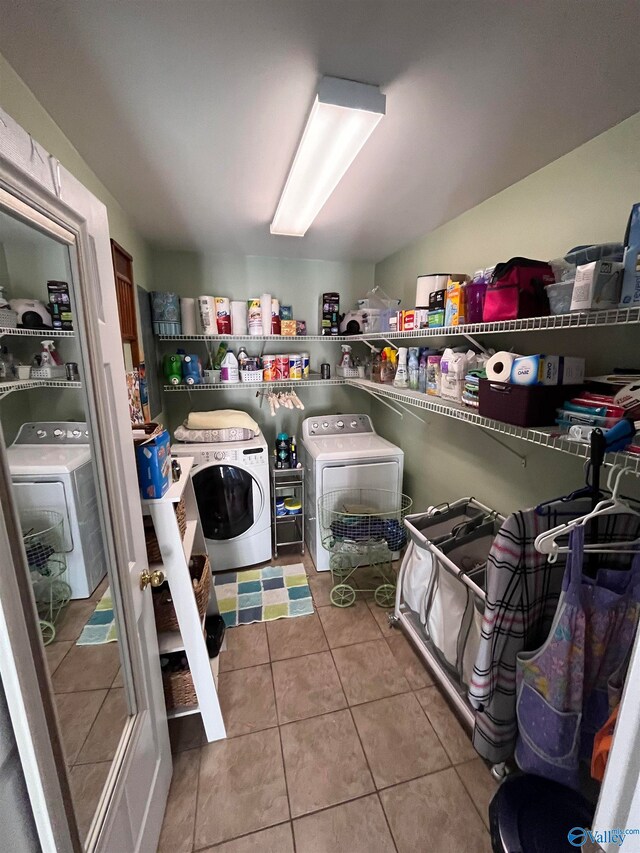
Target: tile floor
x,y
338,742
90,703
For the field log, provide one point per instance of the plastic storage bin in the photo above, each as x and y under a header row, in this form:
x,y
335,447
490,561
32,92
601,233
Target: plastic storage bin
x,y
523,405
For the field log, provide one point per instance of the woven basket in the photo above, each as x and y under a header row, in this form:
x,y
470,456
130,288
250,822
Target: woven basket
x,y
151,541
200,569
179,691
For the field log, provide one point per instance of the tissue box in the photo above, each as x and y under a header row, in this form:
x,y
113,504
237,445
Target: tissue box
x,y
153,458
547,370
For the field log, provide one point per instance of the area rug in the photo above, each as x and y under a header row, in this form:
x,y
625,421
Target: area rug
x,y
101,627
262,595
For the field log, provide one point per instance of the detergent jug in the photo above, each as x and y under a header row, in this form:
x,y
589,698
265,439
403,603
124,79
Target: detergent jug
x,y
172,368
191,371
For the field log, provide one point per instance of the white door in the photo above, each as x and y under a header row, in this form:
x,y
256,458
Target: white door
x,y
37,194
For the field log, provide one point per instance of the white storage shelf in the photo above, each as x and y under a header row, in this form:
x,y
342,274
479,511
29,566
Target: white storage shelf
x,y
176,552
291,339
35,333
29,384
314,379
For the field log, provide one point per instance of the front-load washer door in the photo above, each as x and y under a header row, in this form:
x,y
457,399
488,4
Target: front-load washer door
x,y
230,501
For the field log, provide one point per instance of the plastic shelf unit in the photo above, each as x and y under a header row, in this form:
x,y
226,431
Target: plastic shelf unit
x,y
287,529
176,552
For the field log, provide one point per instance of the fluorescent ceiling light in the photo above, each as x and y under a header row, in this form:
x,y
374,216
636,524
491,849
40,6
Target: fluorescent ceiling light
x,y
342,118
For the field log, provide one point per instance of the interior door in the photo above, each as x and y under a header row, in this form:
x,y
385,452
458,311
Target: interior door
x,y
36,193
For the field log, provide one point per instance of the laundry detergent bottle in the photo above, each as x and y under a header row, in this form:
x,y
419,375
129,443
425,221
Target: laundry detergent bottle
x,y
401,379
172,368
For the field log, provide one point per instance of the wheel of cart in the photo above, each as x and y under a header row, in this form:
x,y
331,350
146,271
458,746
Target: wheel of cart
x,y
363,527
43,537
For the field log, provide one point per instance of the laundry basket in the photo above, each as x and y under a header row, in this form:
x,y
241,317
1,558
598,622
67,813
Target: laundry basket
x,y
362,527
43,537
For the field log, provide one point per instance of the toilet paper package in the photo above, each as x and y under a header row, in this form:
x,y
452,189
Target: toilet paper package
x,y
265,309
223,315
499,366
547,370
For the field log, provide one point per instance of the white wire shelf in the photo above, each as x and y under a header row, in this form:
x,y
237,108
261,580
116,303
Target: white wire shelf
x,y
30,384
617,317
295,339
542,436
35,333
315,379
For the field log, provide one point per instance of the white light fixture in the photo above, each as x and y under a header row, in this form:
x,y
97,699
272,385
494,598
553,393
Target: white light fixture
x,y
342,118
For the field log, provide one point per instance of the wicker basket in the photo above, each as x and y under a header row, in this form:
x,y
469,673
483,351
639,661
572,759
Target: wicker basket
x,y
200,569
179,691
151,541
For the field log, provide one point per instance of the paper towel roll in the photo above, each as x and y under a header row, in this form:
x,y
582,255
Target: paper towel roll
x,y
499,366
188,316
254,317
265,307
207,309
427,284
239,318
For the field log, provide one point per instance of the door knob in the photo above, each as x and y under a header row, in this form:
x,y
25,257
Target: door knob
x,y
155,578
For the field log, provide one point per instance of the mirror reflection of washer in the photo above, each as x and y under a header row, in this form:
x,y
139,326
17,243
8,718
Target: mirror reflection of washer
x,y
231,483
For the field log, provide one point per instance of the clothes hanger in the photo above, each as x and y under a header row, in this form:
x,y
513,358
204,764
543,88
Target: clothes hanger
x,y
586,491
546,542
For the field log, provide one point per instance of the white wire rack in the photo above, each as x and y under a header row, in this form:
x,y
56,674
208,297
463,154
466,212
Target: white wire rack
x,y
35,333
315,379
617,317
7,388
543,437
292,339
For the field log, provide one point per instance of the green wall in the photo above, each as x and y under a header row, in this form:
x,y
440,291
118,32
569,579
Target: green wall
x,y
583,197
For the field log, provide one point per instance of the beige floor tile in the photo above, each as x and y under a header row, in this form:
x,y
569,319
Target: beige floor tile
x,y
453,737
480,785
247,700
324,762
276,839
398,740
410,664
87,782
246,646
321,585
118,681
291,638
55,654
347,625
307,687
381,615
369,671
179,818
76,715
355,827
103,739
87,668
434,813
241,787
73,619
186,733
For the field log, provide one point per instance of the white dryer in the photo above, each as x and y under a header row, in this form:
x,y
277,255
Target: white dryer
x,y
50,465
343,452
231,483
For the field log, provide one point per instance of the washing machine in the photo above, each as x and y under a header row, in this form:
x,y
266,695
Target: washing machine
x,y
231,483
343,452
50,465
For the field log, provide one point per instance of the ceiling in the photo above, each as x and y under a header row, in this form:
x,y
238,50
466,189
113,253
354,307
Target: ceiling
x,y
190,112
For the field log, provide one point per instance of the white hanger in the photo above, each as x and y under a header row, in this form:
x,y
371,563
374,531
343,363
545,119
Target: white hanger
x,y
546,543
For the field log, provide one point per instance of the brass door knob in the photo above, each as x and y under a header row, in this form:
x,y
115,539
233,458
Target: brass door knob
x,y
155,578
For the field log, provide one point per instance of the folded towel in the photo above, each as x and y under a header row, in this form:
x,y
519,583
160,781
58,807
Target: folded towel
x,y
213,436
222,419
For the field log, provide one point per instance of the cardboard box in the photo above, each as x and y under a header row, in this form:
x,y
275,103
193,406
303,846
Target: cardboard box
x,y
597,286
288,328
153,458
547,370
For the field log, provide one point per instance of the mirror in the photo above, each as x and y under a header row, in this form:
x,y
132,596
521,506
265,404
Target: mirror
x,y
53,457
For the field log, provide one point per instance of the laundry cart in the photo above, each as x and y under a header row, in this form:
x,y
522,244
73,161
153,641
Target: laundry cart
x,y
440,592
43,538
362,527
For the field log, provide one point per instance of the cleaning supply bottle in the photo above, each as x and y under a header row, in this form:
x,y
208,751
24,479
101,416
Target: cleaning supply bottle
x,y
413,368
52,355
422,371
172,369
376,364
293,452
242,357
401,379
346,361
390,355
283,457
229,369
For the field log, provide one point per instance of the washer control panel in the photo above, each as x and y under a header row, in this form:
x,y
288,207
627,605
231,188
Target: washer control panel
x,y
250,457
336,425
53,432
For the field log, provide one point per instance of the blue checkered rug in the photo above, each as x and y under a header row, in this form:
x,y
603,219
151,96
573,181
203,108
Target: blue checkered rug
x,y
261,595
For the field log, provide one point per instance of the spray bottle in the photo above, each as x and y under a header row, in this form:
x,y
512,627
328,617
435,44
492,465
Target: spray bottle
x,y
413,368
401,379
346,361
